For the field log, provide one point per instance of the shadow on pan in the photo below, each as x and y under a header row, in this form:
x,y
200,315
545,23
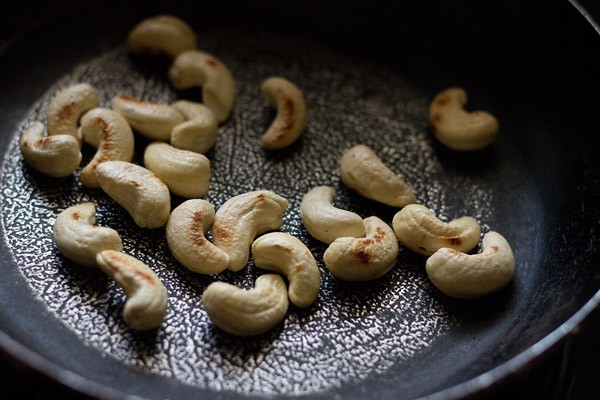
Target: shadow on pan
x,y
535,65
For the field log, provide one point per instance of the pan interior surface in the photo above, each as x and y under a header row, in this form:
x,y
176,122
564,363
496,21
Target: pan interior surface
x,y
398,333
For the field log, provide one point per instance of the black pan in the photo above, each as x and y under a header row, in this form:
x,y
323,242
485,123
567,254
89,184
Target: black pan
x,y
368,72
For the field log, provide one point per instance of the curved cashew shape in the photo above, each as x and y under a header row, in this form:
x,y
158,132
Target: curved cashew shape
x,y
247,312
283,253
291,112
458,129
145,197
363,171
115,141
153,120
186,237
147,298
363,259
417,228
186,174
79,239
163,34
467,276
67,106
57,156
325,222
199,132
243,217
197,68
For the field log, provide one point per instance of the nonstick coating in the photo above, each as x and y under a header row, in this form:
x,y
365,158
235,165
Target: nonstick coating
x,y
368,75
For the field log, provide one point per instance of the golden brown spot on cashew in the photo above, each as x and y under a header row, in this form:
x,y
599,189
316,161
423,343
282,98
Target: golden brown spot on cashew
x,y
75,216
66,111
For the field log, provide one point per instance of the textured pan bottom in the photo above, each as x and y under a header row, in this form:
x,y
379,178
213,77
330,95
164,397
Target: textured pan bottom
x,y
354,330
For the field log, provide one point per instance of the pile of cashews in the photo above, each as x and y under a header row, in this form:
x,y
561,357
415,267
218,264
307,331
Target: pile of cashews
x,y
174,163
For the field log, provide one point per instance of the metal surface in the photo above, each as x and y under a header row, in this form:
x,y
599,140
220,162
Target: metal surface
x,y
396,337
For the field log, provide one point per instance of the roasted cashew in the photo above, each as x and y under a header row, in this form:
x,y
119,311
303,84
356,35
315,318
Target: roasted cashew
x,y
199,132
363,259
153,120
458,129
247,312
186,237
197,68
243,217
363,171
283,253
291,112
79,239
57,155
115,143
325,222
164,34
147,298
467,276
185,173
145,197
67,106
420,230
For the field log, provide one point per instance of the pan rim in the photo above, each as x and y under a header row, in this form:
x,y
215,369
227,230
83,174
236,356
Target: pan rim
x,y
19,353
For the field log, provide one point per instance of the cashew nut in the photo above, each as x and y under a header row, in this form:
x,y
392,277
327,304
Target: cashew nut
x,y
325,222
417,228
79,239
146,303
57,156
291,112
458,129
247,312
363,259
114,137
153,120
283,253
67,106
197,68
467,276
186,237
145,197
363,171
199,132
243,217
185,173
164,34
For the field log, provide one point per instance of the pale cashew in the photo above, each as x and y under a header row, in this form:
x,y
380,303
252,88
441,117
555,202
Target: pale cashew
x,y
467,276
199,132
417,228
363,259
185,173
291,112
153,120
147,298
458,129
363,171
145,197
57,156
67,106
186,237
243,217
198,68
163,34
247,312
325,222
115,141
283,253
79,239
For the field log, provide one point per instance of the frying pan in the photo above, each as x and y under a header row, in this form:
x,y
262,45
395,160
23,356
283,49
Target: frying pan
x,y
368,72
